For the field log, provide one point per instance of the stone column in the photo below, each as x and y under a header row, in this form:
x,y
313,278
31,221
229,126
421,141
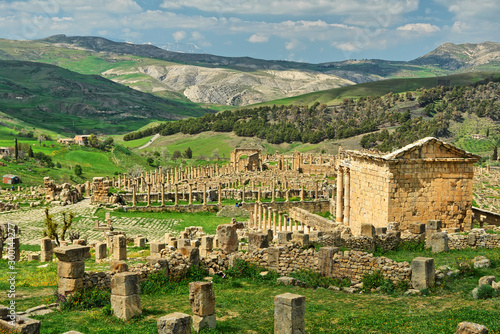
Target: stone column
x,y
347,198
162,188
287,195
269,217
190,195
125,300
46,250
119,247
259,215
302,193
316,192
70,268
219,202
176,195
149,195
274,222
272,193
340,195
264,217
325,260
285,221
202,300
243,194
258,195
204,194
134,198
289,313
280,221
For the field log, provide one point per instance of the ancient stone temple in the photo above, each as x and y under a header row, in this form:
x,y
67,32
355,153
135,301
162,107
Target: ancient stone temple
x,y
426,180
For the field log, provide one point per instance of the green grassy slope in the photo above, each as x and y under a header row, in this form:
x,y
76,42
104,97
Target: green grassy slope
x,y
65,101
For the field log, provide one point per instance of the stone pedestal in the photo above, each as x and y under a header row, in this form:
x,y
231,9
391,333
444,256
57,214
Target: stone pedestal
x,y
140,242
202,300
156,247
289,313
439,242
422,273
101,251
125,300
325,260
70,268
46,254
119,248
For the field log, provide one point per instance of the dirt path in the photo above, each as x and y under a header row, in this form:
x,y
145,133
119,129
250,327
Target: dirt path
x,y
156,136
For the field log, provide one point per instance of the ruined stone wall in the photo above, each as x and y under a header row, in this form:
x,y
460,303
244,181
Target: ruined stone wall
x,y
424,190
369,195
474,241
305,217
355,264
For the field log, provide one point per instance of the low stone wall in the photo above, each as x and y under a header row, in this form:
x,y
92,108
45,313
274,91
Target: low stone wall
x,y
474,240
312,220
355,264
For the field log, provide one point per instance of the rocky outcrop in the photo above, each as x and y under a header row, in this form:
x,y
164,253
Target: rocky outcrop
x,y
230,87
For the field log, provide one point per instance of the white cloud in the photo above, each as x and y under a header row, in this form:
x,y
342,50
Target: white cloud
x,y
179,35
258,38
293,45
198,37
296,7
419,28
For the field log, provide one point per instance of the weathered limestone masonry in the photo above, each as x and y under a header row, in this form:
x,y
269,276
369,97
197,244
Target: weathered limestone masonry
x,y
252,162
174,323
289,313
46,253
125,299
70,268
100,190
20,324
65,193
427,180
202,300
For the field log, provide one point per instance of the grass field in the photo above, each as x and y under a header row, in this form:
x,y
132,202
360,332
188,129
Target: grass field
x,y
245,304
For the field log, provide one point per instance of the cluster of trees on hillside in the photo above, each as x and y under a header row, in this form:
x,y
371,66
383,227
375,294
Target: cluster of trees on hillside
x,y
443,104
278,124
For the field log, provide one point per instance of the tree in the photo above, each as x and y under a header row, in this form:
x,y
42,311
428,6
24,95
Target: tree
x,y
494,157
188,153
16,151
93,141
150,161
176,155
58,165
50,227
66,223
78,170
30,152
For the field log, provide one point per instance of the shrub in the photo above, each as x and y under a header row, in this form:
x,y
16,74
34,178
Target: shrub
x,y
159,283
314,279
387,287
244,269
85,299
486,291
372,280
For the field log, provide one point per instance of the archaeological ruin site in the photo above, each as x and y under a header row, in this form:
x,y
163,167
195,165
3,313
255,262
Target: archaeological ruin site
x,y
314,213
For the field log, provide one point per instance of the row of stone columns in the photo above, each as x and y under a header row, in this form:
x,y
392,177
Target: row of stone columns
x,y
343,203
263,217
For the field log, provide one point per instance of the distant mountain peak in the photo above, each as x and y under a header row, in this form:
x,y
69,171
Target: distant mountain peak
x,y
460,56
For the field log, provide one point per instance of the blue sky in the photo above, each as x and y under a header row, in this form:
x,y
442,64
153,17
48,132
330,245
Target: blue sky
x,y
300,30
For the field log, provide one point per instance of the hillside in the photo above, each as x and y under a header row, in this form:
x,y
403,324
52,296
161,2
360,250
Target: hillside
x,y
382,87
68,102
230,81
462,56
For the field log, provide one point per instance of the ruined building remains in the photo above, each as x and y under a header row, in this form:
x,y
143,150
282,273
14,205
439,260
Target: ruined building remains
x,y
426,180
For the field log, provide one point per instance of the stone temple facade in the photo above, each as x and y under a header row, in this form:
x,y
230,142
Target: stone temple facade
x,y
426,180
